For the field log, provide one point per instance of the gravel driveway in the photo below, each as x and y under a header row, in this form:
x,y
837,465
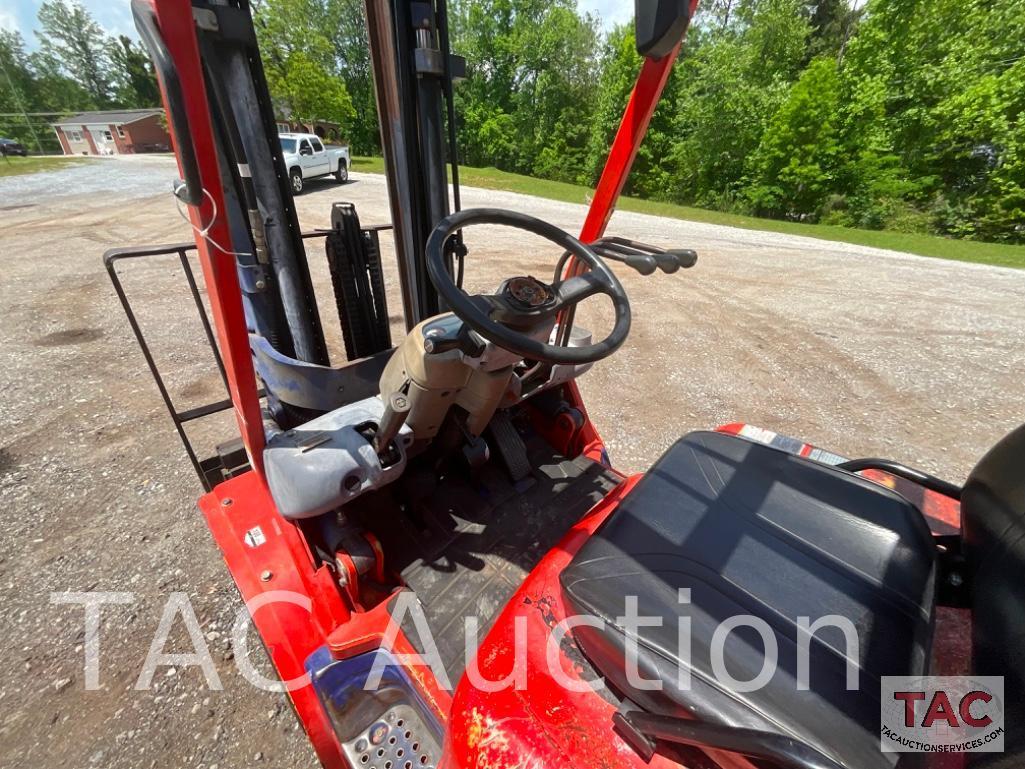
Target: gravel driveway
x,y
125,178
858,350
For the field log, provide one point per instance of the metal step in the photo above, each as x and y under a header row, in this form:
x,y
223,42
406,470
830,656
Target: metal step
x,y
397,740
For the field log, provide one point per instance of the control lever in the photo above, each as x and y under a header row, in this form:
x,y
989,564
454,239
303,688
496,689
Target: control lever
x,y
643,263
396,409
639,256
685,257
644,258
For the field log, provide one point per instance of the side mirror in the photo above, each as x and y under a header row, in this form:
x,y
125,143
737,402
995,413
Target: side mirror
x,y
305,151
659,25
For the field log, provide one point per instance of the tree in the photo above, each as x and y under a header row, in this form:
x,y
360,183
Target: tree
x,y
73,44
300,62
652,173
731,80
28,86
348,35
16,86
832,24
310,92
794,167
904,114
527,102
937,86
619,66
135,84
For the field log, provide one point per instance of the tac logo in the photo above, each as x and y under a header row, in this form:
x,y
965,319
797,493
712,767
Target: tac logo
x,y
949,714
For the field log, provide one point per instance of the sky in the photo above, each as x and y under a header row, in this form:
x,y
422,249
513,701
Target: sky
x,y
116,17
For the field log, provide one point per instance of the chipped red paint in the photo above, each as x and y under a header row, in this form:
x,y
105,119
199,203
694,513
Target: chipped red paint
x,y
546,724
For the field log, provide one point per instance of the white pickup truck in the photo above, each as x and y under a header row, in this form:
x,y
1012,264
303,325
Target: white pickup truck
x,y
306,157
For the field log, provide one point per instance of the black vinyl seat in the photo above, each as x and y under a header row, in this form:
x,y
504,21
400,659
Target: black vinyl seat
x,y
752,530
993,534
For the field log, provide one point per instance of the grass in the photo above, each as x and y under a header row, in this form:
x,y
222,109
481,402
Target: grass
x,y
923,245
13,166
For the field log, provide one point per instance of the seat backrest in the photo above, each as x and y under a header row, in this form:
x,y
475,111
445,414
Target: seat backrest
x,y
993,528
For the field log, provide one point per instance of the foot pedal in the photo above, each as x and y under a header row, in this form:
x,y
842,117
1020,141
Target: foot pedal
x,y
397,740
509,445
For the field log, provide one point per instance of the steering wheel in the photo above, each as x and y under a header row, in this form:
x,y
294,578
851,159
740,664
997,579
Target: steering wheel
x,y
522,303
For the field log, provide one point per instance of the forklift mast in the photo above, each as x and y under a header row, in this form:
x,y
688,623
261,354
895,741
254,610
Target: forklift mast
x,y
413,74
235,188
235,185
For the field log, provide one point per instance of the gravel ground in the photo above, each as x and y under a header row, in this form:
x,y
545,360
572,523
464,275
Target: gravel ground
x,y
131,176
858,350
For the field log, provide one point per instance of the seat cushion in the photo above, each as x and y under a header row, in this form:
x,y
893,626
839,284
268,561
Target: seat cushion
x,y
752,530
993,526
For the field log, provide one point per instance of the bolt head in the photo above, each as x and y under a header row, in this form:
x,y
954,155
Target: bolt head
x,y
266,575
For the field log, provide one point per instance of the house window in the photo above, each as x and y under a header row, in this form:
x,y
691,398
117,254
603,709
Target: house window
x,y
107,135
283,128
121,131
75,136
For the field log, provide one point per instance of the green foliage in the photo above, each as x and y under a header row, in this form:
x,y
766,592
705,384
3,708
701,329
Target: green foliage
x,y
135,85
794,167
896,114
73,44
78,67
348,35
301,62
309,91
527,103
16,86
887,114
732,79
933,96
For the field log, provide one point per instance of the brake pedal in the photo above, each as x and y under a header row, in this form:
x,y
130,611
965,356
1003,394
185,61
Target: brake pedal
x,y
509,445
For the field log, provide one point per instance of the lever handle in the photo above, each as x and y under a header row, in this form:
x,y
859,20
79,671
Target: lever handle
x,y
667,262
396,409
685,257
643,263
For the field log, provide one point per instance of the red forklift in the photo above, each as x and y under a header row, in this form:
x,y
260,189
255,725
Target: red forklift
x,y
372,510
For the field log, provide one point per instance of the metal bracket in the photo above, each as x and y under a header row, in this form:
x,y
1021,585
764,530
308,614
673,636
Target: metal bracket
x,y
206,19
229,24
252,278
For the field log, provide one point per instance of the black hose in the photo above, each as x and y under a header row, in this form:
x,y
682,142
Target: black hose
x,y
240,159
458,247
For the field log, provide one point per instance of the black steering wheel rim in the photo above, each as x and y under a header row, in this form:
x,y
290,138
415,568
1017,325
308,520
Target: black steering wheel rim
x,y
470,312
